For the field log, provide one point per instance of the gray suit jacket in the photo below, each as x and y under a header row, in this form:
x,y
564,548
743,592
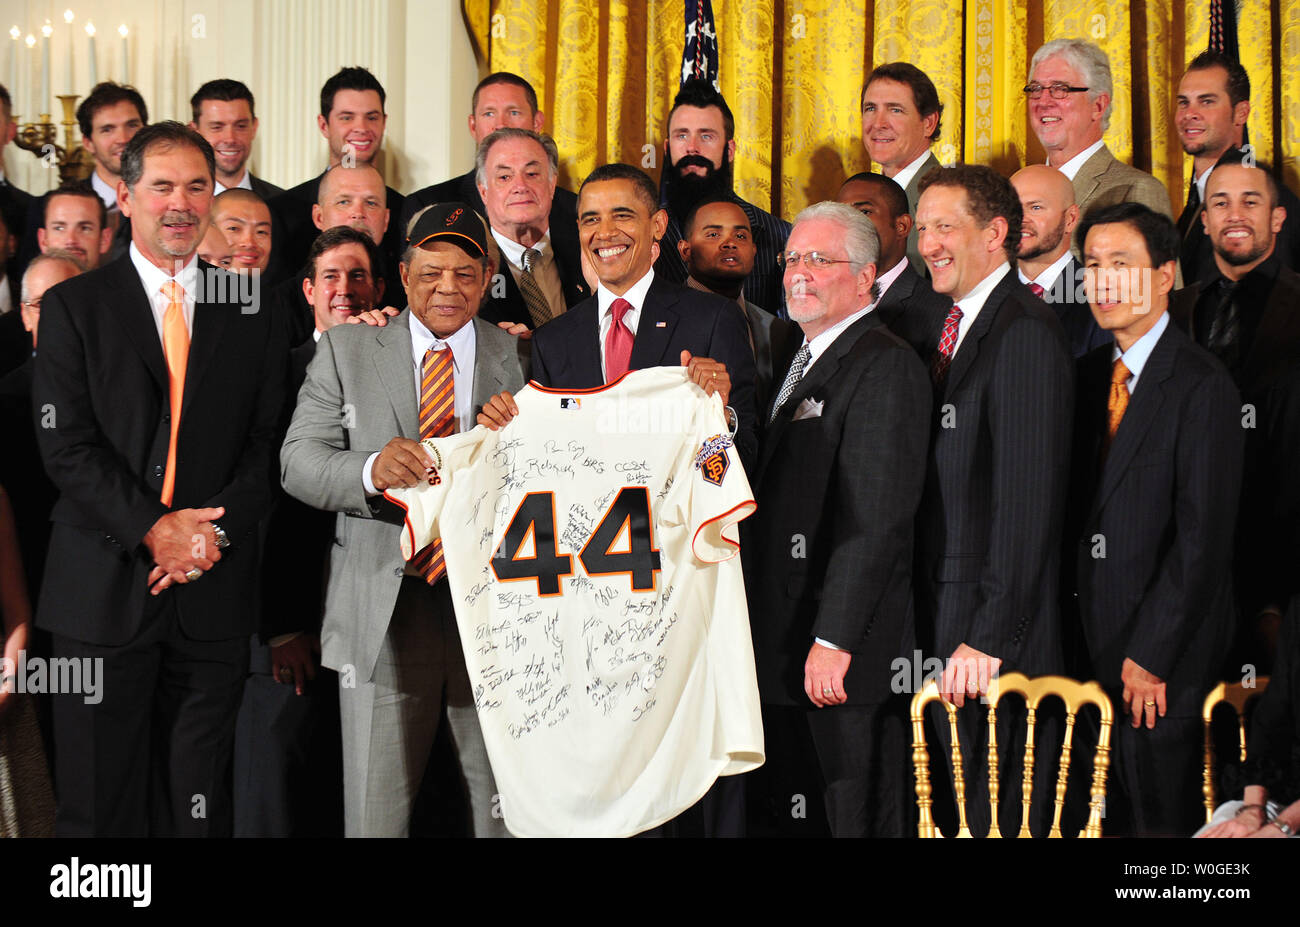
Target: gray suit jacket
x,y
913,194
1103,181
359,394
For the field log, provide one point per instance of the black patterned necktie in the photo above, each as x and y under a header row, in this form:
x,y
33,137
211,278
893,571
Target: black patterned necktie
x,y
792,379
538,308
1191,210
1224,336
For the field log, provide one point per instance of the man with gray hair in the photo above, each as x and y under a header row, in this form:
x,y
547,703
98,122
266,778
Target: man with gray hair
x,y
841,472
540,271
1069,96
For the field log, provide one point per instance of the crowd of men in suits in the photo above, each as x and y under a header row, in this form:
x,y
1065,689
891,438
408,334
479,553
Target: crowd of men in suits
x,y
1018,424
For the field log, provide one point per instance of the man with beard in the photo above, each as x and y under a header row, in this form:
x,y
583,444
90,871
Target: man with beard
x,y
1045,262
1211,111
719,253
1245,314
700,150
168,395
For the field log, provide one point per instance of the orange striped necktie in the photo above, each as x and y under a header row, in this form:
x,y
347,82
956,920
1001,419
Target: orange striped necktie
x,y
437,420
176,348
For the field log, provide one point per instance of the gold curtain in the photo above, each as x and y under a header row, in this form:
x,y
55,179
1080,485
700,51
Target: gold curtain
x,y
606,72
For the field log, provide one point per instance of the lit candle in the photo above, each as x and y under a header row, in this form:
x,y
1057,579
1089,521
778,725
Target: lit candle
x,y
15,33
67,67
46,31
126,72
28,94
90,38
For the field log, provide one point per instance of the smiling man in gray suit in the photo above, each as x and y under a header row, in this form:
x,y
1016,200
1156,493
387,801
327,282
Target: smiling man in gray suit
x,y
389,628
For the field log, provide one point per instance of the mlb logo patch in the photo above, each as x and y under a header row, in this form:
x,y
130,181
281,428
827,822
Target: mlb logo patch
x,y
570,402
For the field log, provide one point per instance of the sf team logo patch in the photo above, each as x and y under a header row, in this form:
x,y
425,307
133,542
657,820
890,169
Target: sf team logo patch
x,y
711,459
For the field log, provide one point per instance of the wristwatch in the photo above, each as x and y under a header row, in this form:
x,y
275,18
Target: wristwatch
x,y
223,541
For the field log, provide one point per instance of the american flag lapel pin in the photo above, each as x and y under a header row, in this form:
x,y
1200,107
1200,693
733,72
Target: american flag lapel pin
x,y
661,325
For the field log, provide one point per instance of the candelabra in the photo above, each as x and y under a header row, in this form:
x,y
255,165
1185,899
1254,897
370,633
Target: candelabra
x,y
41,139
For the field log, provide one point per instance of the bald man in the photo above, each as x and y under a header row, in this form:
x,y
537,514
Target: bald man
x,y
1044,260
244,219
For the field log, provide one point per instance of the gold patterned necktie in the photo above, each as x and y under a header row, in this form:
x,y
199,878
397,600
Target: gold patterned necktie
x,y
538,308
1117,404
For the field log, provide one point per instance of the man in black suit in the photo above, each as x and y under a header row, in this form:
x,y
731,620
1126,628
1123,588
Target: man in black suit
x,y
109,118
165,404
501,100
1045,262
699,159
1212,107
223,113
840,476
907,303
1156,476
352,121
75,220
14,203
288,754
636,319
718,248
539,274
1244,312
990,519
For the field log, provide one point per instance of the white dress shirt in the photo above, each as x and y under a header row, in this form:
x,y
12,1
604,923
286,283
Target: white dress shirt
x,y
463,344
635,295
904,177
6,298
153,278
973,302
1139,352
886,280
1071,167
245,183
1049,276
106,193
545,272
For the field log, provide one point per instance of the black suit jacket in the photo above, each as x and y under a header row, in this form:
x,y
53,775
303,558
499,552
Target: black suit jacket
x,y
292,224
1163,503
101,376
848,482
464,189
914,312
1268,533
23,475
1066,296
990,520
263,188
566,350
1196,255
510,305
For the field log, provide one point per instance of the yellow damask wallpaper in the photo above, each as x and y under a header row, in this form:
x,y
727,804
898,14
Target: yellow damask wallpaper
x,y
792,71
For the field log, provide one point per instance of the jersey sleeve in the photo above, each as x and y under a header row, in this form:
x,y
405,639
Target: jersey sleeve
x,y
719,496
423,504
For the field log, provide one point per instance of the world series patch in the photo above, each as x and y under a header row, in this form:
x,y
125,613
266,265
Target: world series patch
x,y
711,459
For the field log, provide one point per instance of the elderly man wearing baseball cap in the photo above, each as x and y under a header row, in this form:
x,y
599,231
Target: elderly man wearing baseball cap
x,y
389,628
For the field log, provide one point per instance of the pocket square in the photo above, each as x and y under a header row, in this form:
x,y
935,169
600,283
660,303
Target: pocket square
x,y
809,408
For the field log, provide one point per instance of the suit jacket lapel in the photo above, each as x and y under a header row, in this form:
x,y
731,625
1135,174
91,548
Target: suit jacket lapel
x,y
395,365
654,330
970,345
1141,412
1276,336
131,304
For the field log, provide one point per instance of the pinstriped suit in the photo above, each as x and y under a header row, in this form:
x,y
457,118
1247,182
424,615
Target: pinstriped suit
x,y
1165,502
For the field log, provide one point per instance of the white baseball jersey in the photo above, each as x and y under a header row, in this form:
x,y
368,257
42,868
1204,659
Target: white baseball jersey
x,y
591,550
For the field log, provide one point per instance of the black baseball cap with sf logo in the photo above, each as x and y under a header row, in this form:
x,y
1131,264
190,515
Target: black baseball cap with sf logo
x,y
456,223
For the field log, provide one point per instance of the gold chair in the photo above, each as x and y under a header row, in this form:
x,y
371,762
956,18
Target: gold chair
x,y
1236,695
1074,694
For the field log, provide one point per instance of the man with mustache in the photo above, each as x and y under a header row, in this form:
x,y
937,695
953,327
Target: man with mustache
x,y
166,396
1244,313
1044,261
699,153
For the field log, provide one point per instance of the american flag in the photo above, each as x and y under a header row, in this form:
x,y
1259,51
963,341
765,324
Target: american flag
x,y
700,54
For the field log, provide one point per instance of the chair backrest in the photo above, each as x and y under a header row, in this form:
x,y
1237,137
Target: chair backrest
x,y
1237,695
1074,694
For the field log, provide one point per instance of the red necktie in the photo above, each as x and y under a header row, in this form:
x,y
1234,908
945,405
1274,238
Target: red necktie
x,y
947,345
437,420
618,342
1036,289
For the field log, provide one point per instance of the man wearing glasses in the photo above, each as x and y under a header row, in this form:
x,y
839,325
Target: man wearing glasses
x,y
1069,93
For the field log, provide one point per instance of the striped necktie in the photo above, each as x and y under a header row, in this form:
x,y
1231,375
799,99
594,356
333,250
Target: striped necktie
x,y
437,420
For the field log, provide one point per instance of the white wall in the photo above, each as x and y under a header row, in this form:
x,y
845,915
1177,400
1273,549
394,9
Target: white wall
x,y
283,50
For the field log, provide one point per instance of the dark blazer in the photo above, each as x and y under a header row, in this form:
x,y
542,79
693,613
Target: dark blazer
x,y
15,339
1268,533
21,472
264,189
1196,256
847,481
292,224
914,312
1067,297
990,520
101,371
566,350
1163,503
913,191
510,305
464,189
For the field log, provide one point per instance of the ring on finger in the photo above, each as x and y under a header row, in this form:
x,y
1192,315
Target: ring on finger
x,y
193,574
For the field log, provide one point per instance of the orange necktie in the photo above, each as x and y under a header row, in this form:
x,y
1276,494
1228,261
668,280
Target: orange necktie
x,y
176,348
437,420
1118,401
